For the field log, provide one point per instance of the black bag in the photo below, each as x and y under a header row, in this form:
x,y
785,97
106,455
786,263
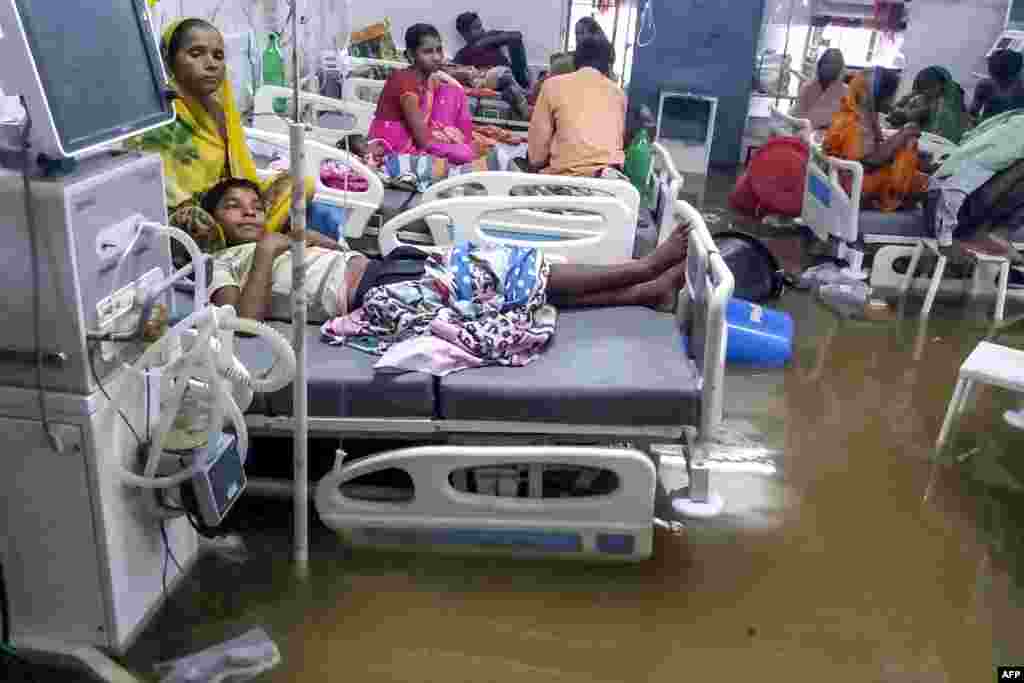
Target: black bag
x,y
754,267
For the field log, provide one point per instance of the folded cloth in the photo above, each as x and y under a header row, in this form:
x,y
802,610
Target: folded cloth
x,y
474,306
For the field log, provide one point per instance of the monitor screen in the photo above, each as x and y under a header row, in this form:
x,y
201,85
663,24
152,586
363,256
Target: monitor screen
x,y
99,67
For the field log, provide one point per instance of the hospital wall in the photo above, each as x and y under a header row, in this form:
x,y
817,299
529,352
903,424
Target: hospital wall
x,y
539,20
955,34
706,47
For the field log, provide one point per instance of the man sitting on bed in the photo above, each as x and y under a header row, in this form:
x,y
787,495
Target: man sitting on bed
x,y
579,123
253,273
486,66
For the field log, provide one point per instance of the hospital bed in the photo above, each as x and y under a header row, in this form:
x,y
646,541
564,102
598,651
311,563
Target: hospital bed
x,y
600,231
327,119
352,209
610,376
834,214
485,111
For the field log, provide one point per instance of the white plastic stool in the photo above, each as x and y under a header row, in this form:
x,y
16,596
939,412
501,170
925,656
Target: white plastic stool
x,y
989,363
940,269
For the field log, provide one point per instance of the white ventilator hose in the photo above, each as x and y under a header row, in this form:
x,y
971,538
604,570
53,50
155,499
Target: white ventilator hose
x,y
209,360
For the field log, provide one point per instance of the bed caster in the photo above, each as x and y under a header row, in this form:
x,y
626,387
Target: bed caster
x,y
701,502
691,509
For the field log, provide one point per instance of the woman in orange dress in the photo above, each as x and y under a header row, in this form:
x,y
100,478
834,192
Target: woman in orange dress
x,y
892,176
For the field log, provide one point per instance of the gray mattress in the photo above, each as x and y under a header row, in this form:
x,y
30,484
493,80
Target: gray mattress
x,y
893,224
342,382
605,366
880,224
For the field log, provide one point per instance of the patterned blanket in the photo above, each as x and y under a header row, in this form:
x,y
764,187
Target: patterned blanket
x,y
474,306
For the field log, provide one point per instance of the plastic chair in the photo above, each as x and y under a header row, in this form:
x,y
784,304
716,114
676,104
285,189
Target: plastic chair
x,y
989,363
940,268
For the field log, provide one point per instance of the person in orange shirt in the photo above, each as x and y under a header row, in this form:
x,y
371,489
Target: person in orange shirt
x,y
579,123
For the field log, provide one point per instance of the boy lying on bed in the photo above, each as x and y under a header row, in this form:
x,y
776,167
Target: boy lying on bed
x,y
253,273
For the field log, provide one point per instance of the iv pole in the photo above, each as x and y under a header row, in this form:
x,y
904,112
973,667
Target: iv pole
x,y
299,315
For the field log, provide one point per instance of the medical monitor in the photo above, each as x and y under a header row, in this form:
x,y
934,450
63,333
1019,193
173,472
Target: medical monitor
x,y
90,71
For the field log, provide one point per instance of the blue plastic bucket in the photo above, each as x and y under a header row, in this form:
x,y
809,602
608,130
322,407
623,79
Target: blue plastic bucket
x,y
757,335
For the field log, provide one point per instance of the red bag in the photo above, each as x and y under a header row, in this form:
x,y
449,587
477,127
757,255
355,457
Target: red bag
x,y
774,180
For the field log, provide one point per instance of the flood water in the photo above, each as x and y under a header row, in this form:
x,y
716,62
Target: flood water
x,y
859,558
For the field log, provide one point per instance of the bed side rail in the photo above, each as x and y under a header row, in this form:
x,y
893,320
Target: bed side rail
x,y
664,183
784,124
479,220
366,90
360,205
701,313
355,116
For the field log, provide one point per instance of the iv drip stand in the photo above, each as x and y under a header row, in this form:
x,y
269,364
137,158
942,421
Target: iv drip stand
x,y
299,314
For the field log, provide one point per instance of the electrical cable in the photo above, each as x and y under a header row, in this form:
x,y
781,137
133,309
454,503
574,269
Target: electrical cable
x,y
167,545
30,218
103,390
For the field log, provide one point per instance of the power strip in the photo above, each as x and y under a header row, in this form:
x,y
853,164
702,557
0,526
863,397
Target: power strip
x,y
113,309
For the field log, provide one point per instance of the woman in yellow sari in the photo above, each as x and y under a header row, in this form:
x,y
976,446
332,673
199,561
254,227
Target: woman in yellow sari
x,y
892,177
206,143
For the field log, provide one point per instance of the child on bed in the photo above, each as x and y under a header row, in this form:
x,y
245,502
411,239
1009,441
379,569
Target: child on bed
x,y
253,273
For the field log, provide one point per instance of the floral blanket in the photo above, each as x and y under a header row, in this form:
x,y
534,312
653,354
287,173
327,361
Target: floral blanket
x,y
474,306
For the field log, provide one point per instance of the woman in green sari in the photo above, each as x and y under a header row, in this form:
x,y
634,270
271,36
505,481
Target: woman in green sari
x,y
936,104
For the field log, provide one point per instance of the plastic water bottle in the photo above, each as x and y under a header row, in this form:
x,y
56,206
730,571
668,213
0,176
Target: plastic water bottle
x,y
638,162
273,62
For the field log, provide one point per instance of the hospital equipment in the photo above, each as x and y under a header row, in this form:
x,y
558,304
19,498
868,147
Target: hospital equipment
x,y
550,501
69,115
686,128
86,259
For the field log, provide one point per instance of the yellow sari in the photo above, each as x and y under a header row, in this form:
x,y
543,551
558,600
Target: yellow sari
x,y
853,134
197,156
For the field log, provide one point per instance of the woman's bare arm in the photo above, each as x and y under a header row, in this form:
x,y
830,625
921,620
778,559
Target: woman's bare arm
x,y
415,120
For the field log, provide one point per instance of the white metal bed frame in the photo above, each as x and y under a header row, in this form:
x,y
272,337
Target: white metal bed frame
x,y
361,205
700,310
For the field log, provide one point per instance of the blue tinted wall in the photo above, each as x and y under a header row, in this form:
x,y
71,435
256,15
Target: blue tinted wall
x,y
706,47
